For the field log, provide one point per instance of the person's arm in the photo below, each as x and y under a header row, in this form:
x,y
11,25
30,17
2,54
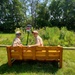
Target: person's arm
x,y
37,43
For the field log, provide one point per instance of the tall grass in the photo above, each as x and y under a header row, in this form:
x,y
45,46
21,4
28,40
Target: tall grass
x,y
55,36
51,37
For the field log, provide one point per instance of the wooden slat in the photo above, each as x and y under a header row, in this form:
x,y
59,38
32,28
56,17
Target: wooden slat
x,y
61,59
68,48
4,45
40,58
16,52
28,57
28,51
40,53
52,47
27,54
64,48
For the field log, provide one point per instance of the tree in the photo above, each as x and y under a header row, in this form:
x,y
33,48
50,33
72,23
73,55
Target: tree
x,y
55,9
14,16
33,11
3,11
18,13
42,15
69,13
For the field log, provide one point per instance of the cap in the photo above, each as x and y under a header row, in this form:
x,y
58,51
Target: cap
x,y
18,32
35,31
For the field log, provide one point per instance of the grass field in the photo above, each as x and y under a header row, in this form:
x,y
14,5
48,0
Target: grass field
x,y
6,39
36,67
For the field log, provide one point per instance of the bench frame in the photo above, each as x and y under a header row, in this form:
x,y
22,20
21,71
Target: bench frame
x,y
45,53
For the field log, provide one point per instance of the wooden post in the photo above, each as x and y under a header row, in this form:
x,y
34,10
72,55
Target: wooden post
x,y
34,53
9,55
61,53
46,53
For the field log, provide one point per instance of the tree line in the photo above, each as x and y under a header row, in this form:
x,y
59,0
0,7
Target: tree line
x,y
38,13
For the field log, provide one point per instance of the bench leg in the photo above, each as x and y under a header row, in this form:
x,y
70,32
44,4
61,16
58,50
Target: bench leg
x,y
60,64
9,57
9,62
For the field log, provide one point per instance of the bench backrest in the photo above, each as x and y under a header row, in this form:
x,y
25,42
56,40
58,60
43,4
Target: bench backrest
x,y
43,53
36,53
14,52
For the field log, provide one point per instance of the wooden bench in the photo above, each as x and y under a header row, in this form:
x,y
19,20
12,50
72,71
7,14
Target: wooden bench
x,y
46,53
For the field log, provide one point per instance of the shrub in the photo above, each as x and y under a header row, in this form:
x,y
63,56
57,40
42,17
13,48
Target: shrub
x,y
51,37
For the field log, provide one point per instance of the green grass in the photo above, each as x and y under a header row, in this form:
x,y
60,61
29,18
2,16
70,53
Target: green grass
x,y
51,37
37,67
6,39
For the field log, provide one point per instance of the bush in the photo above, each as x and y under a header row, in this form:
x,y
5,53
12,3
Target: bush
x,y
51,37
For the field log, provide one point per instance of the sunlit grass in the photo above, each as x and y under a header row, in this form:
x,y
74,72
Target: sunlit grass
x,y
51,37
6,39
37,67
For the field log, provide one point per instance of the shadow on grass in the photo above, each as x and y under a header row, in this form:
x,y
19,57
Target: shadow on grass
x,y
29,66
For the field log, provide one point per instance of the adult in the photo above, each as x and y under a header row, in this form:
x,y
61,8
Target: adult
x,y
38,39
17,41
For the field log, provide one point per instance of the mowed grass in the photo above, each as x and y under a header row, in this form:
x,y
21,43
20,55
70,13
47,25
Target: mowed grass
x,y
37,67
6,39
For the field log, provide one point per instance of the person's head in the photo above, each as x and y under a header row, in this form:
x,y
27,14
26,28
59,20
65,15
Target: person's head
x,y
35,33
18,34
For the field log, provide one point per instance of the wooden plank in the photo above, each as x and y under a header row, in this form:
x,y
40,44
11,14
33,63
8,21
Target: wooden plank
x,y
27,57
9,56
34,54
17,52
61,57
4,45
65,48
28,52
68,48
40,58
40,53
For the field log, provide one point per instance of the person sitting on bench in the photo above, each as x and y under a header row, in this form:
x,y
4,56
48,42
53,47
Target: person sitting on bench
x,y
38,39
17,41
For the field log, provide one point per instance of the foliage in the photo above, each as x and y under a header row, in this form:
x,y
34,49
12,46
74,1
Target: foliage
x,y
57,13
38,13
51,37
42,15
55,36
11,15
